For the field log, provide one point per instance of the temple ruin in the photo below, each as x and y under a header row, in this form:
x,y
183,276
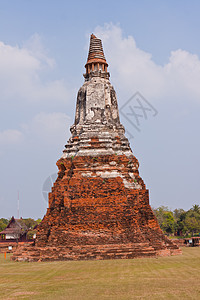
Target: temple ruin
x,y
99,205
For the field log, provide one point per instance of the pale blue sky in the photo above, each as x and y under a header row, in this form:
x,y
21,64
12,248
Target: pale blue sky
x,y
151,46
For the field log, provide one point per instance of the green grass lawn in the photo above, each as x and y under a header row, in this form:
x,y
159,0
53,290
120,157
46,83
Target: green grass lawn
x,y
175,277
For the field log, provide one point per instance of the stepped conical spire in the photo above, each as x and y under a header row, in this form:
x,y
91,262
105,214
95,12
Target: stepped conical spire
x,y
96,53
99,205
96,63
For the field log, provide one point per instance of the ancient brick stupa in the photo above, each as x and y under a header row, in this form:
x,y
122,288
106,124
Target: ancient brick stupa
x,y
99,205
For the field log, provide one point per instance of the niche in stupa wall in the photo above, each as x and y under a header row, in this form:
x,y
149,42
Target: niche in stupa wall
x,y
113,97
95,99
80,106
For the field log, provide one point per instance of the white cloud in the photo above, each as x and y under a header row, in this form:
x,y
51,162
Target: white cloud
x,y
50,123
35,47
21,74
10,137
183,73
49,128
134,70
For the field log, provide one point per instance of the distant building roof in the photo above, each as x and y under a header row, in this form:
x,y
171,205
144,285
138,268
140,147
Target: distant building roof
x,y
15,226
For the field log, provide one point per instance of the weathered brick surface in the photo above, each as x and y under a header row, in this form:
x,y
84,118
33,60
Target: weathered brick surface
x,y
90,252
96,218
4,246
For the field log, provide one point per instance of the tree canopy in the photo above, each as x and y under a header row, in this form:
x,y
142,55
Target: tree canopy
x,y
179,222
3,223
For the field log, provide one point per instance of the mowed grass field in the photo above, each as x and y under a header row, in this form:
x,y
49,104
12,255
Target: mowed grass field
x,y
175,277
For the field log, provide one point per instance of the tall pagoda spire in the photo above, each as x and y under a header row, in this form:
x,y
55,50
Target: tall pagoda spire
x,y
99,205
96,63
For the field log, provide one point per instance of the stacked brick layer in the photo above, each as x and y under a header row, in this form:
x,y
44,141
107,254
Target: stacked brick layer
x,y
91,252
93,216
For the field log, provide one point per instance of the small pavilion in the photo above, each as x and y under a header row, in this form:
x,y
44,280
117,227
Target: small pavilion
x,y
16,230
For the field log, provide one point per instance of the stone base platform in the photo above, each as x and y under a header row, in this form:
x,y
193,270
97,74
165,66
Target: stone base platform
x,y
91,252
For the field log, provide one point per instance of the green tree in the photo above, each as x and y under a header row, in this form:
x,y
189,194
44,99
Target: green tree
x,y
192,221
30,223
179,216
180,223
196,208
159,213
165,219
177,213
168,224
3,223
31,233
